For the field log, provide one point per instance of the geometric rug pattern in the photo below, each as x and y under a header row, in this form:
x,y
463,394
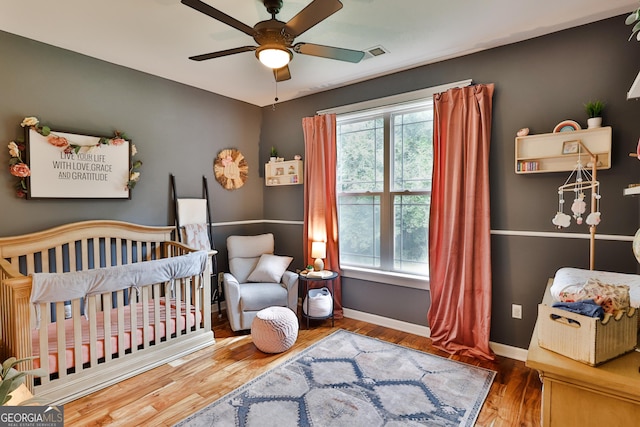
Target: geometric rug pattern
x,y
351,380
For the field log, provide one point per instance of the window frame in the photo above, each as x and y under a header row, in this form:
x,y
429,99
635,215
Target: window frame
x,y
368,108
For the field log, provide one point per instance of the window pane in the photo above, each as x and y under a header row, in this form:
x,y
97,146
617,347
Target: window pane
x,y
411,232
412,150
384,168
360,156
359,228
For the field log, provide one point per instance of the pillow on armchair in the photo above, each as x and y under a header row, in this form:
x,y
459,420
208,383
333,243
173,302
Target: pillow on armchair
x,y
270,268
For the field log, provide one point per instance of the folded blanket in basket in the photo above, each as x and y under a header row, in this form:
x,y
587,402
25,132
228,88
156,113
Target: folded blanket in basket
x,y
587,308
54,287
612,298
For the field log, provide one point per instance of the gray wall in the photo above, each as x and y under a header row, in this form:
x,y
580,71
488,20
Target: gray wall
x,y
539,83
176,129
179,129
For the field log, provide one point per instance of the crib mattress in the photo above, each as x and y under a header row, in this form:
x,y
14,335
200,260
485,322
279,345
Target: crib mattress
x,y
570,279
186,320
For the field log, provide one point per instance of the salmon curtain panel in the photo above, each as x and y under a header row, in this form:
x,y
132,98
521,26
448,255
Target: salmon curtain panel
x,y
320,206
459,231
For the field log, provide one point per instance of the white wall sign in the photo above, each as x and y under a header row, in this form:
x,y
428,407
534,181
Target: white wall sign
x,y
70,166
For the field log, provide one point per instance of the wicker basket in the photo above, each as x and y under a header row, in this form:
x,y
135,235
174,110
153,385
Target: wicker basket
x,y
318,303
586,339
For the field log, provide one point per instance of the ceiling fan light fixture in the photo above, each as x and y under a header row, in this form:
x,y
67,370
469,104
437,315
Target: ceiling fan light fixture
x,y
274,56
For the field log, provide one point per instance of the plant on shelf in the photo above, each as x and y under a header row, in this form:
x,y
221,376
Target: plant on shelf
x,y
634,19
273,154
594,112
594,108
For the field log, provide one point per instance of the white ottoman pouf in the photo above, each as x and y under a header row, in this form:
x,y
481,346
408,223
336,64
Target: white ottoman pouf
x,y
274,329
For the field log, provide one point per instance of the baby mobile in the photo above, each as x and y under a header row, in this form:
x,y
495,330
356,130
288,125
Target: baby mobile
x,y
584,184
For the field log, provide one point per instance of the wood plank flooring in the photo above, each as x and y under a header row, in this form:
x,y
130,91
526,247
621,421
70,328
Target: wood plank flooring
x,y
171,392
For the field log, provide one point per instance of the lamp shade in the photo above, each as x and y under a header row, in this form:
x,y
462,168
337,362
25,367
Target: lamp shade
x,y
274,56
318,250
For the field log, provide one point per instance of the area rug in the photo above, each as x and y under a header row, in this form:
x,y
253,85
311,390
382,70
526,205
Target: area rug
x,y
347,379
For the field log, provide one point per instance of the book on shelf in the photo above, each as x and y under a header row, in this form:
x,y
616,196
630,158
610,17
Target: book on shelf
x,y
527,166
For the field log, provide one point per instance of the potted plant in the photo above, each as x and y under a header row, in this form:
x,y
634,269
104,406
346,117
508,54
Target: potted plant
x,y
594,111
12,381
273,154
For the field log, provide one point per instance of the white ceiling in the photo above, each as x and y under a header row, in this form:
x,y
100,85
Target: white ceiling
x,y
158,36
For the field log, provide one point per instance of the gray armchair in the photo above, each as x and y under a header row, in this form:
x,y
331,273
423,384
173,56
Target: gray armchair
x,y
257,279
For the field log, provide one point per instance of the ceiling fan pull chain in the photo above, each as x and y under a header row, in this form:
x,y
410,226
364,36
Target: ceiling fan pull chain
x,y
276,98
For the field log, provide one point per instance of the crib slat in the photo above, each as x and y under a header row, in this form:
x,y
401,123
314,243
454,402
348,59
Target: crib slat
x,y
77,334
179,286
121,328
44,257
146,331
84,254
118,243
45,320
98,257
156,311
139,247
30,264
96,253
129,254
61,345
196,284
73,266
108,242
59,265
133,317
93,329
188,296
167,313
106,313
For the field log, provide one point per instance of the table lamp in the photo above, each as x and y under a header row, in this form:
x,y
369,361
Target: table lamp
x,y
318,251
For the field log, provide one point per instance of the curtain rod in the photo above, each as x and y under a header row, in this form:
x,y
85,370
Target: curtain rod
x,y
395,99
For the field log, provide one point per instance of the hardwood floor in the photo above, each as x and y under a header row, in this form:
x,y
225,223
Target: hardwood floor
x,y
171,392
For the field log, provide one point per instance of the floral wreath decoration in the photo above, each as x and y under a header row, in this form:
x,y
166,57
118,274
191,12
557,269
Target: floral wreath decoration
x,y
19,168
231,169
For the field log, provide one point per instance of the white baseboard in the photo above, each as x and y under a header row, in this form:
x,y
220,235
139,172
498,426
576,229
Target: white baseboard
x,y
398,325
411,328
424,331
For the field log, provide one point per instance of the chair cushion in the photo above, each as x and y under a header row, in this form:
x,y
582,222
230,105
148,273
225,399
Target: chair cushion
x,y
270,268
244,253
241,268
256,296
249,246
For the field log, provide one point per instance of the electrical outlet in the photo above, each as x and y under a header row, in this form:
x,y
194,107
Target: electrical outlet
x,y
516,311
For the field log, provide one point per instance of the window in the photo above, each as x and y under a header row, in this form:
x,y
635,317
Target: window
x,y
384,167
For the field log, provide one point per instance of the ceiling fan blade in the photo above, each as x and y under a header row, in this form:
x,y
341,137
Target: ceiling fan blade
x,y
222,17
282,74
220,53
330,52
316,11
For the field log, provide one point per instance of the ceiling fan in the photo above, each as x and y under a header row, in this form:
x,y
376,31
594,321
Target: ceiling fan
x,y
275,38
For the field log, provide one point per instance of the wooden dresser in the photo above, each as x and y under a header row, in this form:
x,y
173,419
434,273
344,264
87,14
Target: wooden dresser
x,y
576,394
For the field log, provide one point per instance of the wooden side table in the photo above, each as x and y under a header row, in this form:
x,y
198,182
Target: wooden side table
x,y
329,280
576,394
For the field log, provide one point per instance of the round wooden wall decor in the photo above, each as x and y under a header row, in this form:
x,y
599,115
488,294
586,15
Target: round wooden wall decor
x,y
231,169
